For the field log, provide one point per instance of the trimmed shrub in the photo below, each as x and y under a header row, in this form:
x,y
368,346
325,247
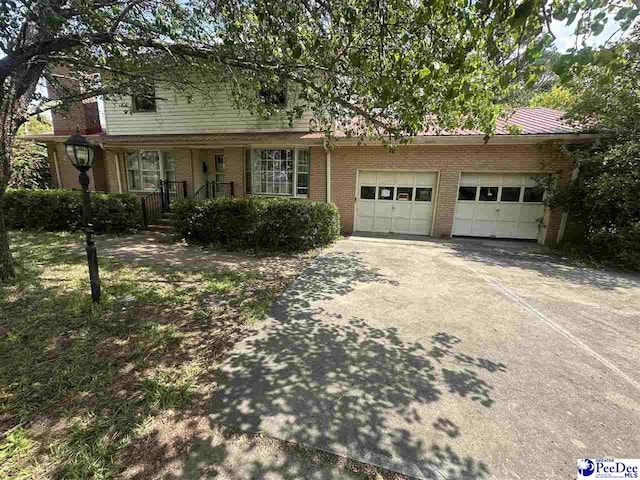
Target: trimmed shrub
x,y
62,210
259,224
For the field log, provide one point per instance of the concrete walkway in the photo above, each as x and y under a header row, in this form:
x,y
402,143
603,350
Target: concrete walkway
x,y
464,359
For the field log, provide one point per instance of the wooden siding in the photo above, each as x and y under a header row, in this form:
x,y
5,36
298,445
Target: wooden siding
x,y
176,115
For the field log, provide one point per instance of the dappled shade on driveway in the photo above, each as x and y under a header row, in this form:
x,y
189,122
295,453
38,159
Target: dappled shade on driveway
x,y
340,384
408,355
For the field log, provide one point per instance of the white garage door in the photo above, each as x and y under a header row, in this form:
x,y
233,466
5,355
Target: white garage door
x,y
399,202
498,205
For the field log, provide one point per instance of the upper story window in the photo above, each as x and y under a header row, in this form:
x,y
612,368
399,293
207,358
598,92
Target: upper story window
x,y
274,96
144,100
283,171
147,167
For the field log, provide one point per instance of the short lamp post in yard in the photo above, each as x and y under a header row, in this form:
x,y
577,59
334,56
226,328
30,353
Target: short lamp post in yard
x,y
82,155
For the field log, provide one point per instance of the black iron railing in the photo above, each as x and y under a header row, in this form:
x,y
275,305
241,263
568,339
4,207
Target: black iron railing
x,y
214,190
159,202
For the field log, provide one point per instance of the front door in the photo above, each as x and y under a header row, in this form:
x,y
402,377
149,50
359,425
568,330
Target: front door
x,y
215,173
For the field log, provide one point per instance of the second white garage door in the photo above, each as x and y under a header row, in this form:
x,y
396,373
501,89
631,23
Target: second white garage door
x,y
398,202
498,205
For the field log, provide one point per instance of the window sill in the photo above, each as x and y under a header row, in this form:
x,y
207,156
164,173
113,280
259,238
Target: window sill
x,y
279,195
271,194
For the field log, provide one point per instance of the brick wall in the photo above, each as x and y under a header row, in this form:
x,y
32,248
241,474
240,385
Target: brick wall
x,y
318,175
449,161
184,168
80,115
111,171
68,173
234,170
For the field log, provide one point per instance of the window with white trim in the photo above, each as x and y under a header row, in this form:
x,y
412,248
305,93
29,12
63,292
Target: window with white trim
x,y
281,171
219,168
303,164
146,168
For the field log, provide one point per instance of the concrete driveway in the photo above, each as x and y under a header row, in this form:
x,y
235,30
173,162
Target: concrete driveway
x,y
467,359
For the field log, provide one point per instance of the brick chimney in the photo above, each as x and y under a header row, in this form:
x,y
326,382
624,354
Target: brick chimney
x,y
83,115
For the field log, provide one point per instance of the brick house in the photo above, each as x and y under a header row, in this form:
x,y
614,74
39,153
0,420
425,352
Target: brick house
x,y
438,185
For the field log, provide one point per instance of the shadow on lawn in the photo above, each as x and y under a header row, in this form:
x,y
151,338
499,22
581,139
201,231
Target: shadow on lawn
x,y
344,386
79,380
130,383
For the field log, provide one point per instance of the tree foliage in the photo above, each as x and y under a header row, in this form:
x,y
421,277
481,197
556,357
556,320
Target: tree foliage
x,y
603,202
382,68
559,98
29,163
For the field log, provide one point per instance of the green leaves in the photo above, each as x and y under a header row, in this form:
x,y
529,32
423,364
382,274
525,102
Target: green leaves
x,y
377,69
424,72
605,199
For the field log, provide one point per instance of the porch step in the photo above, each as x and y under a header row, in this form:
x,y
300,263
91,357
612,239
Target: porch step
x,y
162,224
159,227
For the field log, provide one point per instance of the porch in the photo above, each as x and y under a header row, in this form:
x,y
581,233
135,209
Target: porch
x,y
157,203
189,171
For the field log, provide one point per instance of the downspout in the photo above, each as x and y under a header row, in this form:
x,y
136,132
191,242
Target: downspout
x,y
565,215
327,152
118,173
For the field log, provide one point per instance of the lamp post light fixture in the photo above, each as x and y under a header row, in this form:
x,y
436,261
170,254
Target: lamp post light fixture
x,y
82,155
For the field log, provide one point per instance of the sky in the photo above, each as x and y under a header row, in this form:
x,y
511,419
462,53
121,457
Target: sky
x,y
565,38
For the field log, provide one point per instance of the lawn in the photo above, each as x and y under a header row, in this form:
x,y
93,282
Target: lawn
x,y
80,383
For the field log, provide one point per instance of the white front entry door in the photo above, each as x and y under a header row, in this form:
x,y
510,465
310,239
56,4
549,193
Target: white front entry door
x,y
498,205
398,202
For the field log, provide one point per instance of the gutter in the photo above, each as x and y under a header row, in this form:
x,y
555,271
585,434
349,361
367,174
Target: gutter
x,y
479,140
172,141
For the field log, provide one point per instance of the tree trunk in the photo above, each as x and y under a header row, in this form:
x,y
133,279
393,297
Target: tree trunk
x,y
16,93
7,269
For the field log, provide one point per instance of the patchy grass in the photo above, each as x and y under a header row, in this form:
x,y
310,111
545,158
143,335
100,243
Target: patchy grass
x,y
79,382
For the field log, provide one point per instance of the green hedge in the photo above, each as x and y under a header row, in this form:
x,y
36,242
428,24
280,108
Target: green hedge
x,y
259,224
62,210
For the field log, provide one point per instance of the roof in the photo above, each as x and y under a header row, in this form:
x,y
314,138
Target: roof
x,y
531,121
537,122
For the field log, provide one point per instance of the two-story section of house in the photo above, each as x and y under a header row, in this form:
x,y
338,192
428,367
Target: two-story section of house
x,y
437,185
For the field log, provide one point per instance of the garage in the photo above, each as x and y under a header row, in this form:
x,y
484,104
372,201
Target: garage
x,y
395,201
499,205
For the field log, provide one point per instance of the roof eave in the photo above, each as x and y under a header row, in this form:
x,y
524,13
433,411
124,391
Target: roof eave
x,y
170,141
480,139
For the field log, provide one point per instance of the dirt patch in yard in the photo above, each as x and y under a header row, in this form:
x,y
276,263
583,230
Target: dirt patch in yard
x,y
193,447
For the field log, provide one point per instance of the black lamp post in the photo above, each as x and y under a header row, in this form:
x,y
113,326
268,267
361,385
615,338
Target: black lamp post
x,y
82,155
